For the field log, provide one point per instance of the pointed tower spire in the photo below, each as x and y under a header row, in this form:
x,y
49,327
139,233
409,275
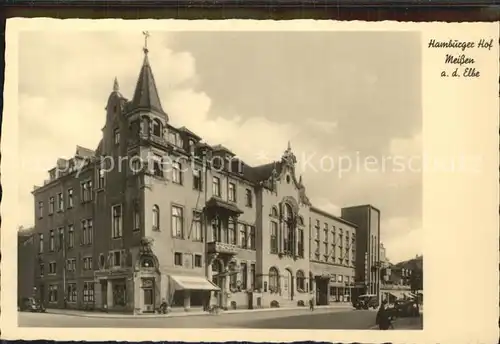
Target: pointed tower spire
x,y
289,146
146,94
116,86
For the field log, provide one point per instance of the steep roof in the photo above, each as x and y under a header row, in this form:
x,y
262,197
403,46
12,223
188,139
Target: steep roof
x,y
146,94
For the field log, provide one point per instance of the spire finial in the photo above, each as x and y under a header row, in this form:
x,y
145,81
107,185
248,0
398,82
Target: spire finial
x,y
146,36
289,146
116,87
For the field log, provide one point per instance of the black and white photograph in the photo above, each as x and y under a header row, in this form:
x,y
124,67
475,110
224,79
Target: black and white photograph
x,y
222,179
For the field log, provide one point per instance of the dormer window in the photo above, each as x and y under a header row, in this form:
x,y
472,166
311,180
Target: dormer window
x,y
117,136
157,130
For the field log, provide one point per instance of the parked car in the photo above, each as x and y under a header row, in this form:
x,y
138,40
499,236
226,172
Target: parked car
x,y
30,304
406,308
366,301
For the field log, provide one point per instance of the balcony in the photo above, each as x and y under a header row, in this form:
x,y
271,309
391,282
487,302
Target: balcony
x,y
222,248
157,141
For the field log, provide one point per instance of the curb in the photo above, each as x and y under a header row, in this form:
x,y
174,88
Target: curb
x,y
187,314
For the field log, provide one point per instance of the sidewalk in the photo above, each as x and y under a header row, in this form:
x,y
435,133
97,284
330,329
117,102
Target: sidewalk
x,y
174,314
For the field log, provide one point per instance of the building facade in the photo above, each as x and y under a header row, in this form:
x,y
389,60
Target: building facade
x,y
367,219
155,214
26,262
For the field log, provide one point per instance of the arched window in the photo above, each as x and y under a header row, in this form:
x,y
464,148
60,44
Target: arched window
x,y
288,212
274,279
301,281
289,229
157,128
147,262
145,125
156,218
274,212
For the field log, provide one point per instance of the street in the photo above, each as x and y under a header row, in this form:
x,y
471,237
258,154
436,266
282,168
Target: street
x,y
283,319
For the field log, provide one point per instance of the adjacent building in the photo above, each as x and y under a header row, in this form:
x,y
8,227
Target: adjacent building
x,y
367,219
155,213
26,262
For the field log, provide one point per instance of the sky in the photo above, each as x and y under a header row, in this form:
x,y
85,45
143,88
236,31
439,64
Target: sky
x,y
348,102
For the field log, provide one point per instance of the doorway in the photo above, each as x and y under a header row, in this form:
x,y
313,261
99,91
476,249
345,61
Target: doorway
x,y
148,291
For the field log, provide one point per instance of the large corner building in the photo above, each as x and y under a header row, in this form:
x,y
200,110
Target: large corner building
x,y
127,237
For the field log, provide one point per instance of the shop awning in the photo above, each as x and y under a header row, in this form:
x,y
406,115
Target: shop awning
x,y
397,294
192,283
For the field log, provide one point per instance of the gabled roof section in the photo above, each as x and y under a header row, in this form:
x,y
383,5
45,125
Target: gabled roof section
x,y
84,152
146,94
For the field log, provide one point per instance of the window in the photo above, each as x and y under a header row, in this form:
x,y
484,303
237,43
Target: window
x,y
87,232
232,192
40,243
196,232
197,260
51,205
117,136
216,186
158,166
301,243
52,268
157,128
88,291
40,209
117,221
274,212
52,293
177,172
178,259
197,181
231,229
87,263
42,269
177,222
216,229
274,237
71,292
60,202
244,279
116,258
60,236
243,235
70,198
252,276
273,280
301,279
101,261
248,198
52,241
233,279
137,217
251,237
86,190
71,265
101,181
156,218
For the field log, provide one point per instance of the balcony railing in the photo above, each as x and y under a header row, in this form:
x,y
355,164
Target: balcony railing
x,y
221,247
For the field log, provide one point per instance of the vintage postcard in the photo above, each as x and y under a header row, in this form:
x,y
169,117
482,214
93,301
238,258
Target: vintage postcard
x,y
261,180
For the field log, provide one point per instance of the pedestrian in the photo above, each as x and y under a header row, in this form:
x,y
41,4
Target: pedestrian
x,y
311,302
383,319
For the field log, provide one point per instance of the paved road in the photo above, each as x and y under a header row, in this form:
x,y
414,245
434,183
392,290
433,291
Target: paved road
x,y
292,319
